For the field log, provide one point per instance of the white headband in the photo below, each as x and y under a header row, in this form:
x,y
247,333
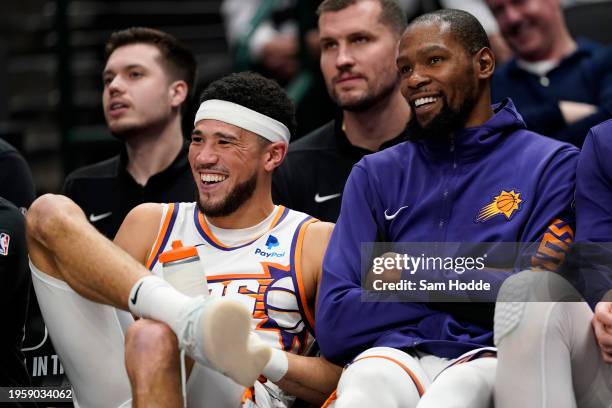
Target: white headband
x,y
245,118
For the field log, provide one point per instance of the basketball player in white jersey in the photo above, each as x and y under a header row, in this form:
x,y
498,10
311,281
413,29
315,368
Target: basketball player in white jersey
x,y
262,263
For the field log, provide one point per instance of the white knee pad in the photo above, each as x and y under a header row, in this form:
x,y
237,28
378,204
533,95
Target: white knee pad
x,y
510,304
381,376
528,286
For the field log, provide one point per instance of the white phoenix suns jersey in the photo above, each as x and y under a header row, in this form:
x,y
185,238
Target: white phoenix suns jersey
x,y
264,274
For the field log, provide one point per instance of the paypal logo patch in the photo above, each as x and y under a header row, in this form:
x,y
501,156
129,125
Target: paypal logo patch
x,y
272,242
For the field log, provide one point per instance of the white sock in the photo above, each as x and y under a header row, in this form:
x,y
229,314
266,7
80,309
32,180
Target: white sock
x,y
156,299
277,367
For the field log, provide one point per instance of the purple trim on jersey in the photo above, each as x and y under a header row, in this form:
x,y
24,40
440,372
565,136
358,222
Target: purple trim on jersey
x,y
166,235
282,217
287,338
283,290
292,262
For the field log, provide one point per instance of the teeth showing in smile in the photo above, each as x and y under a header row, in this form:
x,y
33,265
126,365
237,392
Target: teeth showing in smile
x,y
423,101
117,106
212,178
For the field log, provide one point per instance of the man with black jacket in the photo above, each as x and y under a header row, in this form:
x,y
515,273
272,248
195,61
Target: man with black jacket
x,y
148,77
358,46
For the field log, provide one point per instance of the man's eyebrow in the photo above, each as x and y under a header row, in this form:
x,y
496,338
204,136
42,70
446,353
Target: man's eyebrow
x,y
432,48
131,66
360,33
227,136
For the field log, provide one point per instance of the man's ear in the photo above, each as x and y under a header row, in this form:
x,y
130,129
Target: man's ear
x,y
484,62
274,155
178,93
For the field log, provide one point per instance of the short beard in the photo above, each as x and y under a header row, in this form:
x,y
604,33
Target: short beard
x,y
234,200
447,122
367,101
132,131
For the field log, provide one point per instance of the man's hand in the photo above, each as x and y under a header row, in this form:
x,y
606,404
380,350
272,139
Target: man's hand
x,y
602,325
574,111
389,275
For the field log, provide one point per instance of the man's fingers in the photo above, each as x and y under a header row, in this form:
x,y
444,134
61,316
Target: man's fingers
x,y
603,313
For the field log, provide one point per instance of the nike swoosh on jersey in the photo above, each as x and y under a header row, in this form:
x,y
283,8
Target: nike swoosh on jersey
x,y
322,199
392,216
94,218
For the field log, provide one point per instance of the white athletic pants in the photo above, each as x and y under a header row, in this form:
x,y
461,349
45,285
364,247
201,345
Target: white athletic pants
x,y
390,378
547,352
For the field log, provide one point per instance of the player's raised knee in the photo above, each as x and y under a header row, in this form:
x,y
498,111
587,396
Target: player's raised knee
x,y
149,339
370,372
48,212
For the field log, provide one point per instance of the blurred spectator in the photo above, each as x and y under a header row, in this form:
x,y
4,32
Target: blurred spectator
x,y
16,184
14,293
560,86
274,48
358,49
147,80
274,44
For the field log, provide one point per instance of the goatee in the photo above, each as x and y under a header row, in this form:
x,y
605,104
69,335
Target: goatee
x,y
232,202
444,124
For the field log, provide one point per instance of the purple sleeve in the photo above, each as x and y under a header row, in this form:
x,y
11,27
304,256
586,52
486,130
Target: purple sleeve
x,y
346,325
594,189
552,220
594,214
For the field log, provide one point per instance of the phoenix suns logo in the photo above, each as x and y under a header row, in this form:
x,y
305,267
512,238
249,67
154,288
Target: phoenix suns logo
x,y
506,203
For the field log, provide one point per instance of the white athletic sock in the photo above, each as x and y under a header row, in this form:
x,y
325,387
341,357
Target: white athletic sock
x,y
277,367
152,297
215,332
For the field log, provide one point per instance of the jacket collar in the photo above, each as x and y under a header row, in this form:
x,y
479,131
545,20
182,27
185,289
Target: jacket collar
x,y
469,144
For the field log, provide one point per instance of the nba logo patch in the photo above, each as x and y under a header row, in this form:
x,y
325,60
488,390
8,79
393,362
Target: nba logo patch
x,y
5,239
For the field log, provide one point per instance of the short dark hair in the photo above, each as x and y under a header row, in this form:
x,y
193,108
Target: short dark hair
x,y
176,57
465,27
255,92
391,14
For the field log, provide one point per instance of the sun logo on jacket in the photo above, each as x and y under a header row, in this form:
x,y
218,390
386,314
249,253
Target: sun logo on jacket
x,y
506,203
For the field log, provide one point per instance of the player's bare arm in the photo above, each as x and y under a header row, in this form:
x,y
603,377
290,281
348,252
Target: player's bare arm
x,y
139,230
